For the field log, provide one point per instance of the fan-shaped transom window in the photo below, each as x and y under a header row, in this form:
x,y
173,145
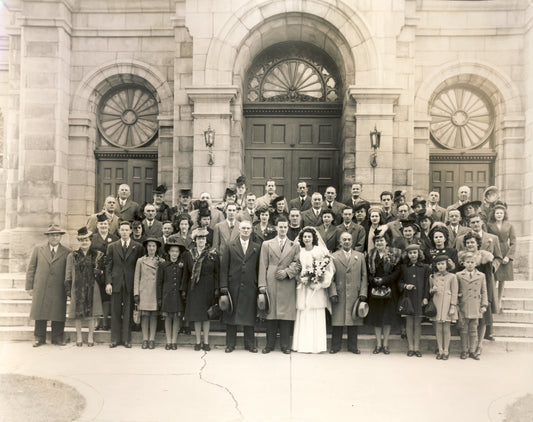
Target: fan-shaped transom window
x,y
462,117
293,73
127,116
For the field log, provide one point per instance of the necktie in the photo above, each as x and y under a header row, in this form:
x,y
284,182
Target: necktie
x,y
281,244
329,205
53,252
302,201
124,247
231,226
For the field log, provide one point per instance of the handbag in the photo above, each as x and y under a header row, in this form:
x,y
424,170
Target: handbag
x,y
136,315
405,307
214,312
383,292
430,310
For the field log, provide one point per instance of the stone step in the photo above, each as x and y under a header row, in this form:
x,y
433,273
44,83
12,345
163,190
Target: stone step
x,y
514,316
519,291
366,342
15,306
517,303
512,329
14,294
12,280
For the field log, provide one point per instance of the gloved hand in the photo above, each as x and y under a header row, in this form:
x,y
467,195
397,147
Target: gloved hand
x,y
334,299
136,299
224,290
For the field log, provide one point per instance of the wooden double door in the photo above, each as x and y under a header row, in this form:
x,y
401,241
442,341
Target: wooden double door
x,y
446,178
289,150
139,174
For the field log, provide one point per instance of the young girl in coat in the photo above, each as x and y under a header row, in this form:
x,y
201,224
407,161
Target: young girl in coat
x,y
473,302
444,288
171,277
414,283
145,290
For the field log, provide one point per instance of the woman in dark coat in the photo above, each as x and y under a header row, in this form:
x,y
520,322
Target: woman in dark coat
x,y
99,241
439,236
263,230
383,270
203,267
84,273
203,222
327,230
170,290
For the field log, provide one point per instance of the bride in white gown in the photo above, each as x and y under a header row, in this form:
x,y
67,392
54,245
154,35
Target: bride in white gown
x,y
311,293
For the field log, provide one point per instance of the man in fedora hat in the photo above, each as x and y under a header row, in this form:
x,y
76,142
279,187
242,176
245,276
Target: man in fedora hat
x,y
120,264
184,203
45,279
349,284
279,264
162,210
238,277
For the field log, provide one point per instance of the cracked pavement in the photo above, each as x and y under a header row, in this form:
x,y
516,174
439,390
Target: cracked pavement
x,y
158,385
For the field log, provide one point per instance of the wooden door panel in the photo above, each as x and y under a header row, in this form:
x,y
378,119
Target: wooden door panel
x,y
446,178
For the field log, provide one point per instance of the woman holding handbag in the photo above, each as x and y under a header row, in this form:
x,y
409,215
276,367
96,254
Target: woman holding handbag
x,y
383,270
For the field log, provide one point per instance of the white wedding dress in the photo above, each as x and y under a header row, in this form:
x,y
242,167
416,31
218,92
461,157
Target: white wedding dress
x,y
310,324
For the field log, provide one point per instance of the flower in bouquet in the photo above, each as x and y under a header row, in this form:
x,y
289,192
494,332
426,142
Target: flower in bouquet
x,y
314,274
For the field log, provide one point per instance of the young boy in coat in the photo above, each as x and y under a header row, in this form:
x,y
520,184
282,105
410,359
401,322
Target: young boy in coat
x,y
473,302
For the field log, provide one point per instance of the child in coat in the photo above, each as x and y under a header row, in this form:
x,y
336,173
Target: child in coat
x,y
444,289
473,302
414,283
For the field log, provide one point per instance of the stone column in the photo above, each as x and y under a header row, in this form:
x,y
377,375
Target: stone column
x,y
39,186
212,108
374,108
420,162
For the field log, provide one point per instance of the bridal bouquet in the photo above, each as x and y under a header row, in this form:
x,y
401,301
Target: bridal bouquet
x,y
315,273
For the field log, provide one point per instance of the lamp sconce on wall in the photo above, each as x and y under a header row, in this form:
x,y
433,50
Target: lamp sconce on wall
x,y
375,139
209,136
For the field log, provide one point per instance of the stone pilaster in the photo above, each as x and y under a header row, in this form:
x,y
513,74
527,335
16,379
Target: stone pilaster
x,y
374,108
212,108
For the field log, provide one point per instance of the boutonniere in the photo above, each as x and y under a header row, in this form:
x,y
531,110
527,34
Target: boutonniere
x,y
109,240
180,265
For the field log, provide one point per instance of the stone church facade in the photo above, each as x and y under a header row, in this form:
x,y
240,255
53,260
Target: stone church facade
x,y
96,93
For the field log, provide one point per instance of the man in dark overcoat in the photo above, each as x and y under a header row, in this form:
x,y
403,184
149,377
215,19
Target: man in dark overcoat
x,y
349,283
120,264
238,277
45,279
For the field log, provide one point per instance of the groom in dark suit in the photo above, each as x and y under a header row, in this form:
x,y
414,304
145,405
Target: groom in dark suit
x,y
238,277
121,258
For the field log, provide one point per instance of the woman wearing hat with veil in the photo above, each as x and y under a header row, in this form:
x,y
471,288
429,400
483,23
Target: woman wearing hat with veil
x,y
312,294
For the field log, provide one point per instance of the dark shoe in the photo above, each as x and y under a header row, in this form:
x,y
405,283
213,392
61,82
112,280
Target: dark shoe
x,y
252,349
151,344
377,350
410,353
266,350
473,356
445,356
174,346
90,344
145,344
168,346
386,350
439,356
206,347
355,351
113,345
464,355
127,345
403,334
198,346
79,343
229,349
418,354
286,351
39,343
105,327
333,351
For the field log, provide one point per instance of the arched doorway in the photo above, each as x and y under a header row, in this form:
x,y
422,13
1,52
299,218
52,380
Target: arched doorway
x,y
292,109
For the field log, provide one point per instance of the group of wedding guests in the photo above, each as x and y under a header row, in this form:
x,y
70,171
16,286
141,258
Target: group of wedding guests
x,y
286,262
